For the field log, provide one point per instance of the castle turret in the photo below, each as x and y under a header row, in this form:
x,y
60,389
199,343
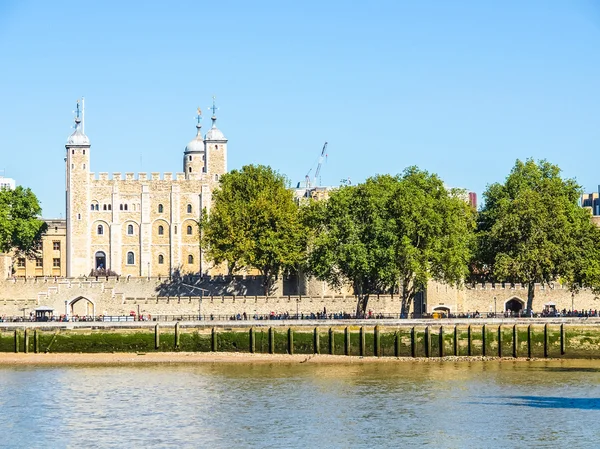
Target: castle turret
x,y
216,149
194,156
78,200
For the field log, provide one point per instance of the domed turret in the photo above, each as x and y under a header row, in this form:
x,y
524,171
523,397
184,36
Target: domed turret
x,y
216,149
194,155
78,137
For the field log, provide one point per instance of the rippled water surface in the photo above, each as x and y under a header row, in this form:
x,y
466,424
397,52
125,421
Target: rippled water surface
x,y
455,405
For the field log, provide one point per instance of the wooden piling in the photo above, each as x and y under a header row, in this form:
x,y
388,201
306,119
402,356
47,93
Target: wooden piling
x,y
36,341
362,341
376,342
441,341
347,341
427,342
16,341
177,335
546,340
252,341
271,340
529,341
515,342
469,341
25,341
455,340
316,343
483,342
331,342
562,339
157,336
290,341
413,342
214,340
500,340
396,345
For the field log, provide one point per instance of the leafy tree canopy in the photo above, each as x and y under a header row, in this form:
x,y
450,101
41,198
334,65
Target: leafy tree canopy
x,y
532,229
254,222
391,231
20,228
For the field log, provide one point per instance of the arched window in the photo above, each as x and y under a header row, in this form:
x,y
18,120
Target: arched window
x,y
130,229
189,208
190,259
161,230
109,207
100,229
120,207
190,158
175,230
189,169
125,206
189,230
216,147
130,258
161,259
97,207
216,177
104,207
92,207
160,208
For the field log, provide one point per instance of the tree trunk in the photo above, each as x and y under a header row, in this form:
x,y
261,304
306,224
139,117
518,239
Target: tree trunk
x,y
407,297
362,300
530,295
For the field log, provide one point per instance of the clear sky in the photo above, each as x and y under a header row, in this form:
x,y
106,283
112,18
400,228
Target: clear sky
x,y
459,88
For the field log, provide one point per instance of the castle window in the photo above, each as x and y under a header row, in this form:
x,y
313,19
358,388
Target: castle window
x,y
79,216
125,206
189,230
84,153
21,262
104,207
160,208
161,259
84,166
161,230
216,177
190,158
203,169
56,262
216,147
120,207
130,258
91,207
100,229
109,207
190,259
39,263
189,169
56,246
175,230
72,151
130,229
97,207
189,208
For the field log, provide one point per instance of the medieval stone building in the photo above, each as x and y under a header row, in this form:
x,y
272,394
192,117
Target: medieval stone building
x,y
139,225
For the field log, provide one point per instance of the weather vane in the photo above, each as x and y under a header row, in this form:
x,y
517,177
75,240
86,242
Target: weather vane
x,y
214,107
199,116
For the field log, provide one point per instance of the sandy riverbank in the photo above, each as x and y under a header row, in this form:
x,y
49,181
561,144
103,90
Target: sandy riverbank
x,y
220,357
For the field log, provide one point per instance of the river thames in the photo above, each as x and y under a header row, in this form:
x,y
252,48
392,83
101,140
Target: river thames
x,y
349,405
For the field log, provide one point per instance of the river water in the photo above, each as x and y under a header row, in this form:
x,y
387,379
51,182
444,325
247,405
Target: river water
x,y
408,404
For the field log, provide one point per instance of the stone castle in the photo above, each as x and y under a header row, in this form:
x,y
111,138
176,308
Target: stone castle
x,y
139,225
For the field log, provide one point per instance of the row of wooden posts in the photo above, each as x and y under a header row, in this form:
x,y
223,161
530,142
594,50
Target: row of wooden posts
x,y
377,341
362,344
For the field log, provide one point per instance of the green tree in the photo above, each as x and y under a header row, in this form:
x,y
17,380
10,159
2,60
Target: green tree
x,y
254,223
391,231
20,227
532,230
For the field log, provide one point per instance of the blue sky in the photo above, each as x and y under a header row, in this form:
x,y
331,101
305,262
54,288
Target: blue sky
x,y
459,88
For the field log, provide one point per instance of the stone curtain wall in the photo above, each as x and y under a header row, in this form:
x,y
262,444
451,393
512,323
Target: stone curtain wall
x,y
222,296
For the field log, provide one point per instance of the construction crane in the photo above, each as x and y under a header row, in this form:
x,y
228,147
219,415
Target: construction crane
x,y
317,171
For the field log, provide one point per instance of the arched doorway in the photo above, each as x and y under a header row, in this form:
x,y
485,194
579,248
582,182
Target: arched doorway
x,y
100,260
80,306
514,306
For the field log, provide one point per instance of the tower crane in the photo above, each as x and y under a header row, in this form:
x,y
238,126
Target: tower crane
x,y
317,171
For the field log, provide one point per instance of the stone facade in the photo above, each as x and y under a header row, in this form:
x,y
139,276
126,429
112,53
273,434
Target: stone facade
x,y
139,225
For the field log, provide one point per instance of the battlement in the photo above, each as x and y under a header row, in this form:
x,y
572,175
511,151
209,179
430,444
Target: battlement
x,y
130,177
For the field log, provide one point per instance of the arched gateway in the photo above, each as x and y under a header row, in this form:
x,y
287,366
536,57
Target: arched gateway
x,y
80,306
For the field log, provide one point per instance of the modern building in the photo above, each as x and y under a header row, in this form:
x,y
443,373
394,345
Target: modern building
x,y
7,183
591,201
139,225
